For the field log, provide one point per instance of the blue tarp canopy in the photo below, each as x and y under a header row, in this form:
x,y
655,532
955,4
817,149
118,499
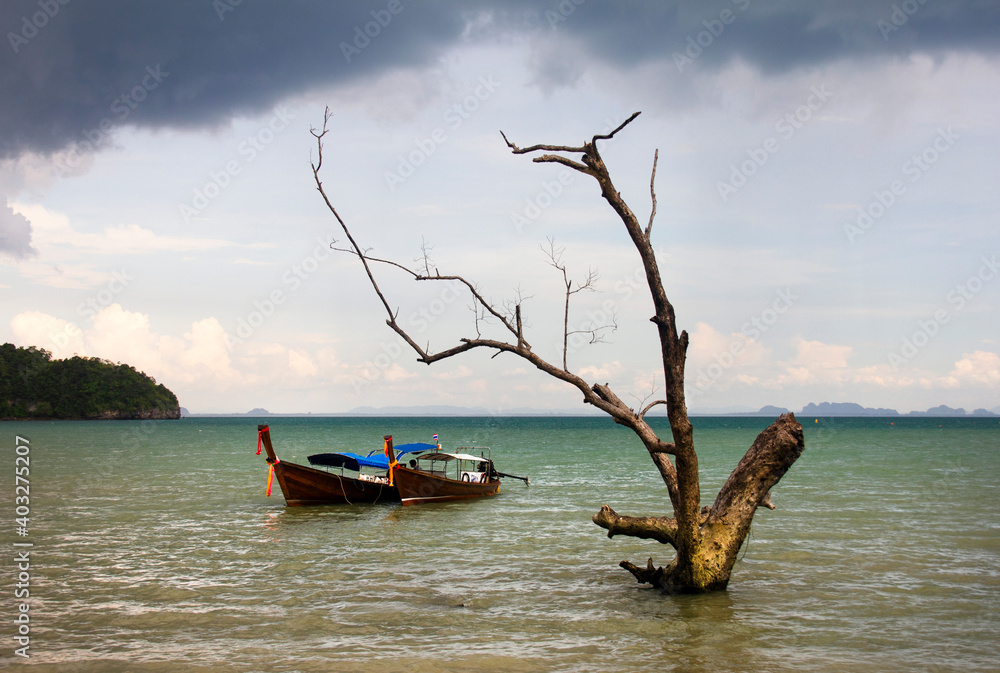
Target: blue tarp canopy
x,y
376,459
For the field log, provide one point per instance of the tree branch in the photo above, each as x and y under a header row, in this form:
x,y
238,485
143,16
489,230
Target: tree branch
x,y
661,458
706,539
555,260
661,529
652,195
425,251
478,298
319,186
647,575
764,464
539,148
376,259
650,406
609,136
556,159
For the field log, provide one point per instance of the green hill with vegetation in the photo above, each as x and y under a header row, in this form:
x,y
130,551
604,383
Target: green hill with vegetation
x,y
34,386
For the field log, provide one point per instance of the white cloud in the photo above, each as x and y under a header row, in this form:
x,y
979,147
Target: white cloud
x,y
819,355
54,230
601,373
977,368
816,362
883,376
717,361
460,372
820,370
207,349
300,364
65,254
395,373
61,337
197,366
708,346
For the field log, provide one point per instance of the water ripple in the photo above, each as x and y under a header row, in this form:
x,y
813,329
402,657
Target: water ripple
x,y
162,552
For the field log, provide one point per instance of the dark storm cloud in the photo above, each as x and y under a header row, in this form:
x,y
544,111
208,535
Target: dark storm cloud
x,y
776,35
77,68
15,233
74,70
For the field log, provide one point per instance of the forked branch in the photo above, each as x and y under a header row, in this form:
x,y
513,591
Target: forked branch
x,y
511,320
599,395
555,260
661,529
652,195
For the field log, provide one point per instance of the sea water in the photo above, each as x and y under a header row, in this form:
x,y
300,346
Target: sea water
x,y
155,548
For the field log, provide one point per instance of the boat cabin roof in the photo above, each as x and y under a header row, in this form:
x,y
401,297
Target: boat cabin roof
x,y
441,455
376,459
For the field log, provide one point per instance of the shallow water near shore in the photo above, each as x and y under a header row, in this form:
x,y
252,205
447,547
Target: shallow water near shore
x,y
155,549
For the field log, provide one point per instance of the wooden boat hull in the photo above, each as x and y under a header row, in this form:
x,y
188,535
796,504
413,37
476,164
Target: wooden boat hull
x,y
303,485
416,486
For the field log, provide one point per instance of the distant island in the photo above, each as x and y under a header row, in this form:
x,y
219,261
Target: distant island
x,y
34,386
811,409
855,410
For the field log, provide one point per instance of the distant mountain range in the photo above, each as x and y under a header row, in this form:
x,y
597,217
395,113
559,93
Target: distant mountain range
x,y
811,409
425,410
853,409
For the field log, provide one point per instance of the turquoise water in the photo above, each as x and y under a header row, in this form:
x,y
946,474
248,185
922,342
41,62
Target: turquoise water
x,y
155,549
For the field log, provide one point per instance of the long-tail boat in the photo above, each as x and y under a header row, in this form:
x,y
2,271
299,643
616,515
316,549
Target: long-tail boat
x,y
439,476
303,485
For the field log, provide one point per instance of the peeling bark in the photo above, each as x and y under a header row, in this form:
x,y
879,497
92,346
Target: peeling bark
x,y
723,527
661,529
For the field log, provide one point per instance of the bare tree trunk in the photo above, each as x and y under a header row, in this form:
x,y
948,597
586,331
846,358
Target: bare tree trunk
x,y
706,540
723,527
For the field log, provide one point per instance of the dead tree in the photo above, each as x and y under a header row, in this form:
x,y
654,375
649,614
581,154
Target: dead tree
x,y
706,539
